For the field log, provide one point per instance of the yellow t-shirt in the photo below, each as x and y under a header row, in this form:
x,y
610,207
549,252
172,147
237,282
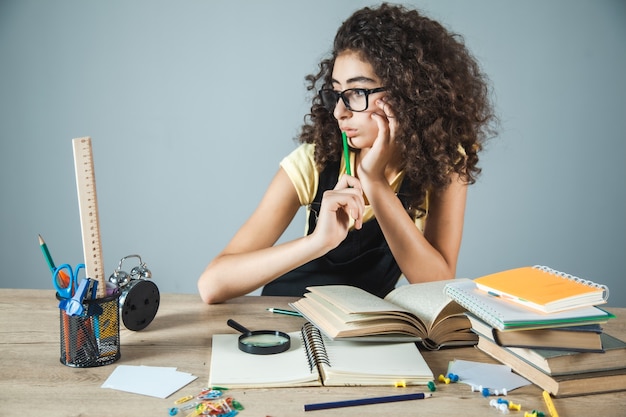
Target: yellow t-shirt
x,y
300,167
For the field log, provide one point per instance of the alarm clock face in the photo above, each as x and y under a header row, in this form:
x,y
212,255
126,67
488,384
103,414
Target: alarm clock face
x,y
139,304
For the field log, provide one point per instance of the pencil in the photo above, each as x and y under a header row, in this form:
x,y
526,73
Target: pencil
x,y
64,279
346,153
46,253
286,312
367,401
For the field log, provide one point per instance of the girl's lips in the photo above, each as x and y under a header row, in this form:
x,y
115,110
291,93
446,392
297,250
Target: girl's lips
x,y
349,132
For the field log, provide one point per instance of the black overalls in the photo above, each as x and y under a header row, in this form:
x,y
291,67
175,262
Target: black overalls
x,y
362,260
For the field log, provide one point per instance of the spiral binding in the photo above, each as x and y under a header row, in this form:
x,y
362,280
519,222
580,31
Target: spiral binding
x,y
574,278
477,308
313,342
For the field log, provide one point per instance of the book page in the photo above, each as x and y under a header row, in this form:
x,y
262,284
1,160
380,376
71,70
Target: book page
x,y
230,367
353,300
333,326
354,363
425,300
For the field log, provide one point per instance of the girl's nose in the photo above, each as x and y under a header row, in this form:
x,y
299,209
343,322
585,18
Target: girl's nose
x,y
341,111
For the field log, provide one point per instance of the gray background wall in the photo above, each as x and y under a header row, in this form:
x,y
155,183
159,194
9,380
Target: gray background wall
x,y
191,105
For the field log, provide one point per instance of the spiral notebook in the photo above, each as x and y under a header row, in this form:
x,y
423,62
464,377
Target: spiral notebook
x,y
543,289
315,360
504,315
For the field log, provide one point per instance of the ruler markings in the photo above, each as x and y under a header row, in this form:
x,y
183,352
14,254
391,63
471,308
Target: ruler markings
x,y
88,207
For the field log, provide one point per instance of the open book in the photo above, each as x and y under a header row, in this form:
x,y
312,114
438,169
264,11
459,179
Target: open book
x,y
410,312
314,360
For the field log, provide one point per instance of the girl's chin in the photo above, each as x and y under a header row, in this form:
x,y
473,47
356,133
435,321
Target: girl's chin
x,y
357,143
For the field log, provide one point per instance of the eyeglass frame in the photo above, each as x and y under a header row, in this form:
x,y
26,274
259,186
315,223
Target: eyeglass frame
x,y
341,95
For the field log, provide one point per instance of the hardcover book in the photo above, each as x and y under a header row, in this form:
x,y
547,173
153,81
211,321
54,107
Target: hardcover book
x,y
586,338
589,379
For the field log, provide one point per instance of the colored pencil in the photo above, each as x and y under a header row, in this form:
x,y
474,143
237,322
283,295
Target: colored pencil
x,y
367,401
346,153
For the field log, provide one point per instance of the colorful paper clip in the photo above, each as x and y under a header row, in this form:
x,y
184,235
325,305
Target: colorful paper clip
x,y
183,399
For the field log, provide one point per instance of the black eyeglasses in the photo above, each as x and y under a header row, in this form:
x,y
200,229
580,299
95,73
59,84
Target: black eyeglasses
x,y
355,99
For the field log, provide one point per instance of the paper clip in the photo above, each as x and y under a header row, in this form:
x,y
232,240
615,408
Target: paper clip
x,y
195,412
183,399
188,407
224,404
210,395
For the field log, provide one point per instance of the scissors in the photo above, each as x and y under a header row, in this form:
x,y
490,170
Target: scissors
x,y
65,279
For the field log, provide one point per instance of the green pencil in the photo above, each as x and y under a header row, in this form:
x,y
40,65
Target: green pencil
x,y
286,312
346,153
46,253
62,278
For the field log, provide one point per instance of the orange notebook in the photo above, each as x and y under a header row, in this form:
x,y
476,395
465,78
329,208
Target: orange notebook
x,y
543,289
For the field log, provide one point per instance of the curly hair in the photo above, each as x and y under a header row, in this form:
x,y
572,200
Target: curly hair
x,y
435,87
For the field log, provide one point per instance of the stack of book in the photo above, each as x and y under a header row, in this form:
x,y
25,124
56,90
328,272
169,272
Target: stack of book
x,y
545,325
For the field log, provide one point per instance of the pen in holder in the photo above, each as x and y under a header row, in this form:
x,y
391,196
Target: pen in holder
x,y
89,328
140,297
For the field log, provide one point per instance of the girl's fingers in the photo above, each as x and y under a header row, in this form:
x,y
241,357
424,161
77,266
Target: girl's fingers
x,y
348,200
348,181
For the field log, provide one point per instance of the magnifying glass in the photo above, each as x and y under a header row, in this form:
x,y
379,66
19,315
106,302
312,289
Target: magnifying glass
x,y
261,342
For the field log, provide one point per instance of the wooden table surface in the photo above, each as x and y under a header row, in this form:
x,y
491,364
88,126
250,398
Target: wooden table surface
x,y
34,382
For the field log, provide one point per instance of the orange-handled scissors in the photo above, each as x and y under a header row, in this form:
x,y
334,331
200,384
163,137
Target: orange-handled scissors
x,y
65,279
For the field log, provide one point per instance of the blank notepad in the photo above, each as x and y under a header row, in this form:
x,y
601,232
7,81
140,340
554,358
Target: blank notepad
x,y
231,367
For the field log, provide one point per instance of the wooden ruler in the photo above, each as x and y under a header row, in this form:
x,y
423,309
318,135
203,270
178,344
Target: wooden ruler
x,y
88,205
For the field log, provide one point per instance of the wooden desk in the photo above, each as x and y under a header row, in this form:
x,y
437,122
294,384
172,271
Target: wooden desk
x,y
33,381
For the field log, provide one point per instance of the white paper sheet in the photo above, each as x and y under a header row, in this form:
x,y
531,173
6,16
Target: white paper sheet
x,y
160,382
487,375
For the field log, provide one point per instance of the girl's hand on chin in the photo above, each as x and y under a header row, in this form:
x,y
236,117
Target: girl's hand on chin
x,y
384,150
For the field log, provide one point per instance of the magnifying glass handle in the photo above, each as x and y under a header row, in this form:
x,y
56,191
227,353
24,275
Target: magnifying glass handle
x,y
232,323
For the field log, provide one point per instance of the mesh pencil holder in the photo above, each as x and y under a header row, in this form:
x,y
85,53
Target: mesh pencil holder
x,y
93,337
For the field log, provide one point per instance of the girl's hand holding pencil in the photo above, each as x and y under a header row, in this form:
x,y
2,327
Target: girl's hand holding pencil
x,y
339,206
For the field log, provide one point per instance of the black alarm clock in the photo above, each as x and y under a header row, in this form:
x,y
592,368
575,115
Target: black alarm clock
x,y
139,299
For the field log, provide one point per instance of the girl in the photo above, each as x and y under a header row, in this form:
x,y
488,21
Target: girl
x,y
414,108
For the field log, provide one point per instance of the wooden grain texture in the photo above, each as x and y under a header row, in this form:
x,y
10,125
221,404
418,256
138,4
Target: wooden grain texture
x,y
33,381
